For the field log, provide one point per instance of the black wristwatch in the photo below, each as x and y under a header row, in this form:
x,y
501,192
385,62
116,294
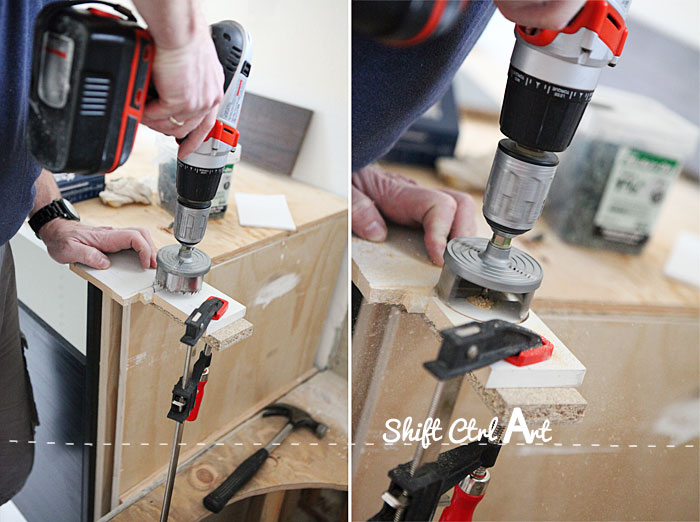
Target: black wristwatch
x,y
58,208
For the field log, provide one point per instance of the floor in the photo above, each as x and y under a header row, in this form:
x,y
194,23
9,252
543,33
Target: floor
x,y
9,513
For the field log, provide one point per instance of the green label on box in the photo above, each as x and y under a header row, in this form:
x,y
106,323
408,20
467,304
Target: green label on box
x,y
635,191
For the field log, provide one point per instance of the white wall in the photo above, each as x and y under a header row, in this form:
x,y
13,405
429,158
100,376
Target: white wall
x,y
300,56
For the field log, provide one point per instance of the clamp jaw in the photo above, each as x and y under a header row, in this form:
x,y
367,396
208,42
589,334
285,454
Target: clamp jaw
x,y
185,398
416,486
432,480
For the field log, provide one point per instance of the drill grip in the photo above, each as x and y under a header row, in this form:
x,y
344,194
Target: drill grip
x,y
217,499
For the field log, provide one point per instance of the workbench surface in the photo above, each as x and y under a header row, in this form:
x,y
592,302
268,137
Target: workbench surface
x,y
622,283
224,238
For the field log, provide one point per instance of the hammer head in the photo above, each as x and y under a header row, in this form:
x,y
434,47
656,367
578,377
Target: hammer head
x,y
297,418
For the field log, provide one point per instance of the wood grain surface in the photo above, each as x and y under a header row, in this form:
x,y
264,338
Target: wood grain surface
x,y
302,461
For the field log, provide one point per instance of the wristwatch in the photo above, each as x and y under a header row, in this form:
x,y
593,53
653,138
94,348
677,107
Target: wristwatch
x,y
58,208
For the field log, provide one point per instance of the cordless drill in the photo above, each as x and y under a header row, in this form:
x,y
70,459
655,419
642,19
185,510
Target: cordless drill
x,y
182,268
90,82
551,79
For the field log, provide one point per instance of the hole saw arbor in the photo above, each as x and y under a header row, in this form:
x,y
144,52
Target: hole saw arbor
x,y
141,357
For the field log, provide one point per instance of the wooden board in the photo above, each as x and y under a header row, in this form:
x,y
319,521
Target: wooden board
x,y
224,238
272,133
110,346
285,284
623,283
302,461
399,272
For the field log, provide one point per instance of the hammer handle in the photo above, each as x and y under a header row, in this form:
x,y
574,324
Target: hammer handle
x,y
217,499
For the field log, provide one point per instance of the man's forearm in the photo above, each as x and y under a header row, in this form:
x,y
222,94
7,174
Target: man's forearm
x,y
172,23
46,191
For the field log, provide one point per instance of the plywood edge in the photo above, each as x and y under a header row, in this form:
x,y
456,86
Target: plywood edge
x,y
110,343
121,403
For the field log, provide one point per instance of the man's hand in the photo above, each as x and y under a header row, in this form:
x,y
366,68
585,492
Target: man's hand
x,y
187,73
540,14
73,242
441,213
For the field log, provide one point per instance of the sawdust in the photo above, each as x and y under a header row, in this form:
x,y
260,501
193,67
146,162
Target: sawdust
x,y
485,303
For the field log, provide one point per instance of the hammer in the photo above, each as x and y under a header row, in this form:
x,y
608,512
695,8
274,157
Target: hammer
x,y
298,418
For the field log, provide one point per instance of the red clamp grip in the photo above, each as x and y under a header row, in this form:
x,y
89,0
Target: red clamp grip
x,y
221,311
533,355
200,395
461,508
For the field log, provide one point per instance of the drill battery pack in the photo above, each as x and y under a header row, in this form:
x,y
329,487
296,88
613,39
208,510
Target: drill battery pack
x,y
90,76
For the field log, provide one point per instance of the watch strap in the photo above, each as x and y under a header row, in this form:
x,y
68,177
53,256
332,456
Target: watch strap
x,y
55,209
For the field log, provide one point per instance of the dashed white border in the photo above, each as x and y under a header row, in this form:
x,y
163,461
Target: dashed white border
x,y
557,444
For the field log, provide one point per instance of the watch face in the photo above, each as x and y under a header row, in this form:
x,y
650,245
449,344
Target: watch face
x,y
71,209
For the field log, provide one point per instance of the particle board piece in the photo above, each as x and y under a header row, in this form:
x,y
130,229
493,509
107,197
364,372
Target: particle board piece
x,y
302,461
231,334
378,269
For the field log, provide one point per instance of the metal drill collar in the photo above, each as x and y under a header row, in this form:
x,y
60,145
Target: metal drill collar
x,y
520,273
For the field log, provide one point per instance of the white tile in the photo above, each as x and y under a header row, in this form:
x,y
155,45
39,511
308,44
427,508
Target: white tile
x,y
264,210
10,513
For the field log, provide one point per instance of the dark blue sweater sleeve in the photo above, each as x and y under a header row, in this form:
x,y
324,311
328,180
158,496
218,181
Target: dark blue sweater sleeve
x,y
18,170
393,86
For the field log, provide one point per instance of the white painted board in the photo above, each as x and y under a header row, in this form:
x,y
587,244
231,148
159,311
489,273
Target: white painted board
x,y
127,281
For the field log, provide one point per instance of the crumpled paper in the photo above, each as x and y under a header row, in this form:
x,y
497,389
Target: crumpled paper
x,y
123,191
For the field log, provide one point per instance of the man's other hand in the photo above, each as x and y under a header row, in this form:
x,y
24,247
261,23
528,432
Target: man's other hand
x,y
73,242
378,194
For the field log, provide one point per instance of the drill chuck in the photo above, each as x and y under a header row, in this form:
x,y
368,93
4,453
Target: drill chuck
x,y
517,187
190,223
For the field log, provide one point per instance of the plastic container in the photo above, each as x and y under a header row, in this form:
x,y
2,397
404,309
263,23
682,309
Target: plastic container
x,y
167,172
613,179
